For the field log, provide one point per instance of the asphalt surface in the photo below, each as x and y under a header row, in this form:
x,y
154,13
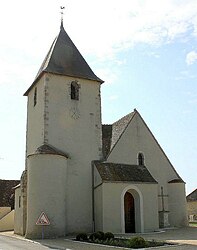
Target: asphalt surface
x,y
185,239
11,243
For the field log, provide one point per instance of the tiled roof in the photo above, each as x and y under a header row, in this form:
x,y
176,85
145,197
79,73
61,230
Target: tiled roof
x,y
179,180
7,192
192,196
112,133
119,127
117,172
48,149
64,58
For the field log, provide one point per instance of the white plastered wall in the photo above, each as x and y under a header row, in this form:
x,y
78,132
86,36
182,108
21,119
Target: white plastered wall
x,y
4,211
113,206
98,211
79,135
7,222
46,192
177,204
137,138
35,118
18,216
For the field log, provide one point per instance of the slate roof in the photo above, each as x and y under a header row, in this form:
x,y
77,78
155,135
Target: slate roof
x,y
7,192
48,149
192,196
117,172
64,58
178,180
112,133
119,126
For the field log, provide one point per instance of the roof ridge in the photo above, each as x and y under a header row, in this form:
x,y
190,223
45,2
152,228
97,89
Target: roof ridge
x,y
122,118
195,190
49,149
118,131
151,133
46,59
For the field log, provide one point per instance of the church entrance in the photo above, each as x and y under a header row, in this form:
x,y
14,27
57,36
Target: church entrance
x,y
129,211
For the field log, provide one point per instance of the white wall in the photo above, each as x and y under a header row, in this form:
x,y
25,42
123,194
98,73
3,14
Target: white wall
x,y
7,222
35,118
98,201
137,138
146,209
4,211
18,216
46,192
80,137
177,205
51,121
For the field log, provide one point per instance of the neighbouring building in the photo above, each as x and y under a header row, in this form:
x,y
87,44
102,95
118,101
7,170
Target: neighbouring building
x,y
83,175
192,206
7,204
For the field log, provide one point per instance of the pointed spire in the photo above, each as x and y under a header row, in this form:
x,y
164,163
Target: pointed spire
x,y
62,25
65,59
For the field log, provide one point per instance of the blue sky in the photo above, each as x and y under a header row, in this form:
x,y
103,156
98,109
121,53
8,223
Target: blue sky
x,y
144,50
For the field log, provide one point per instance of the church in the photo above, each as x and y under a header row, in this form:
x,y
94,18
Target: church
x,y
82,175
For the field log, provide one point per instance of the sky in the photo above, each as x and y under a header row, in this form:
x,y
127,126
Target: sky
x,y
144,50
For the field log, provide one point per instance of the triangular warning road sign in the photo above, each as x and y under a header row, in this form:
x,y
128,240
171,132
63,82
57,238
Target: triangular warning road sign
x,y
43,220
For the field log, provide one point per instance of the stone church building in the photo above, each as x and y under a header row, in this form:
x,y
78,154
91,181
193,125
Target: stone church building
x,y
83,175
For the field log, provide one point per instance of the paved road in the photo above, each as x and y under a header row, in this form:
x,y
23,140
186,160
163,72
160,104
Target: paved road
x,y
9,243
186,237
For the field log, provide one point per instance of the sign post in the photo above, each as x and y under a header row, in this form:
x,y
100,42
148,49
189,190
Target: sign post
x,y
43,221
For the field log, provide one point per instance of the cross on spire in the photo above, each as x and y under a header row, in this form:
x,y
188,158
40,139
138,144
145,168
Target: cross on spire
x,y
62,14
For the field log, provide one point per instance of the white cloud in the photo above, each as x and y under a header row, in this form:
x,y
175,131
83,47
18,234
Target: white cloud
x,y
185,74
102,28
107,74
116,26
191,57
113,97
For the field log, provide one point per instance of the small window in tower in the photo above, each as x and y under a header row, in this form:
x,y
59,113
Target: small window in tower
x,y
19,201
35,96
74,90
140,159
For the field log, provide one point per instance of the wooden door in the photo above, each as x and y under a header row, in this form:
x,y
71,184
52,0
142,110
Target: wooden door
x,y
129,209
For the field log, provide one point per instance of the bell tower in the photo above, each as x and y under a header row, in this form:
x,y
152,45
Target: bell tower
x,y
63,137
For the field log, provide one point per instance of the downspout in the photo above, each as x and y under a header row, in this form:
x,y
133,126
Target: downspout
x,y
93,207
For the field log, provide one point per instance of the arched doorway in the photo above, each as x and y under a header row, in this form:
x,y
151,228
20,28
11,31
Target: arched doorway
x,y
129,212
138,208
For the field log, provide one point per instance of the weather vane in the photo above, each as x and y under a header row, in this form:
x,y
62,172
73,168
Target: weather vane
x,y
62,14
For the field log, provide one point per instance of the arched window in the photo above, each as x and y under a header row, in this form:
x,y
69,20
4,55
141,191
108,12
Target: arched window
x,y
74,90
140,159
35,96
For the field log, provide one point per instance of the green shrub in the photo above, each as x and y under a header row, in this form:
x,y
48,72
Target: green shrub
x,y
108,236
95,236
82,237
102,235
137,242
